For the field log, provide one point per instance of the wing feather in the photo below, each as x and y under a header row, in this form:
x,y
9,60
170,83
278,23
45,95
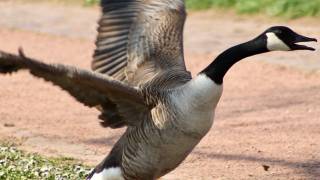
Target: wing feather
x,y
139,38
121,104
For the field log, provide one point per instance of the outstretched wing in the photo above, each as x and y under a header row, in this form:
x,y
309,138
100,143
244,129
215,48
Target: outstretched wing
x,y
137,39
90,88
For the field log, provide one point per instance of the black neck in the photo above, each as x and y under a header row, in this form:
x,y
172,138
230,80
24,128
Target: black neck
x,y
219,67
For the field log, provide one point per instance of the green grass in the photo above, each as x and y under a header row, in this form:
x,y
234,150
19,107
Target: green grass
x,y
283,8
91,2
280,8
16,164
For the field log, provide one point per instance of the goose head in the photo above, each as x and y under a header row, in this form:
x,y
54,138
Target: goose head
x,y
277,38
281,38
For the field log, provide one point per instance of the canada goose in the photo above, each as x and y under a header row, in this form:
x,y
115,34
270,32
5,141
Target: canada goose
x,y
140,81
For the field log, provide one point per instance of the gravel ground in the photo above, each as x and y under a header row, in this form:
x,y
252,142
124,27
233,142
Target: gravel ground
x,y
267,123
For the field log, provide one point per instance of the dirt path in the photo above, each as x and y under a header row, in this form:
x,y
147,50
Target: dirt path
x,y
206,33
269,114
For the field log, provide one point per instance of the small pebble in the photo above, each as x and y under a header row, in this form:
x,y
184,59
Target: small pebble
x,y
8,125
266,167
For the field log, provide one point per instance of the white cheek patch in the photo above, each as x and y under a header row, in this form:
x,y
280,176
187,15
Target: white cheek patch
x,y
275,44
108,174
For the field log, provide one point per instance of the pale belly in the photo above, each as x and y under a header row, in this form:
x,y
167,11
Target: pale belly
x,y
174,153
178,142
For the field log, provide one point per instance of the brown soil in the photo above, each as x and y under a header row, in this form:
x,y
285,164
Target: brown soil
x,y
267,124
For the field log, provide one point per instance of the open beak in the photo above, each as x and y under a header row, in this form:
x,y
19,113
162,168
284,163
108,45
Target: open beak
x,y
300,39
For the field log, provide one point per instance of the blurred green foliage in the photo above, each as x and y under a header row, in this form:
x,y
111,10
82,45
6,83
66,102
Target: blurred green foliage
x,y
91,2
284,8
